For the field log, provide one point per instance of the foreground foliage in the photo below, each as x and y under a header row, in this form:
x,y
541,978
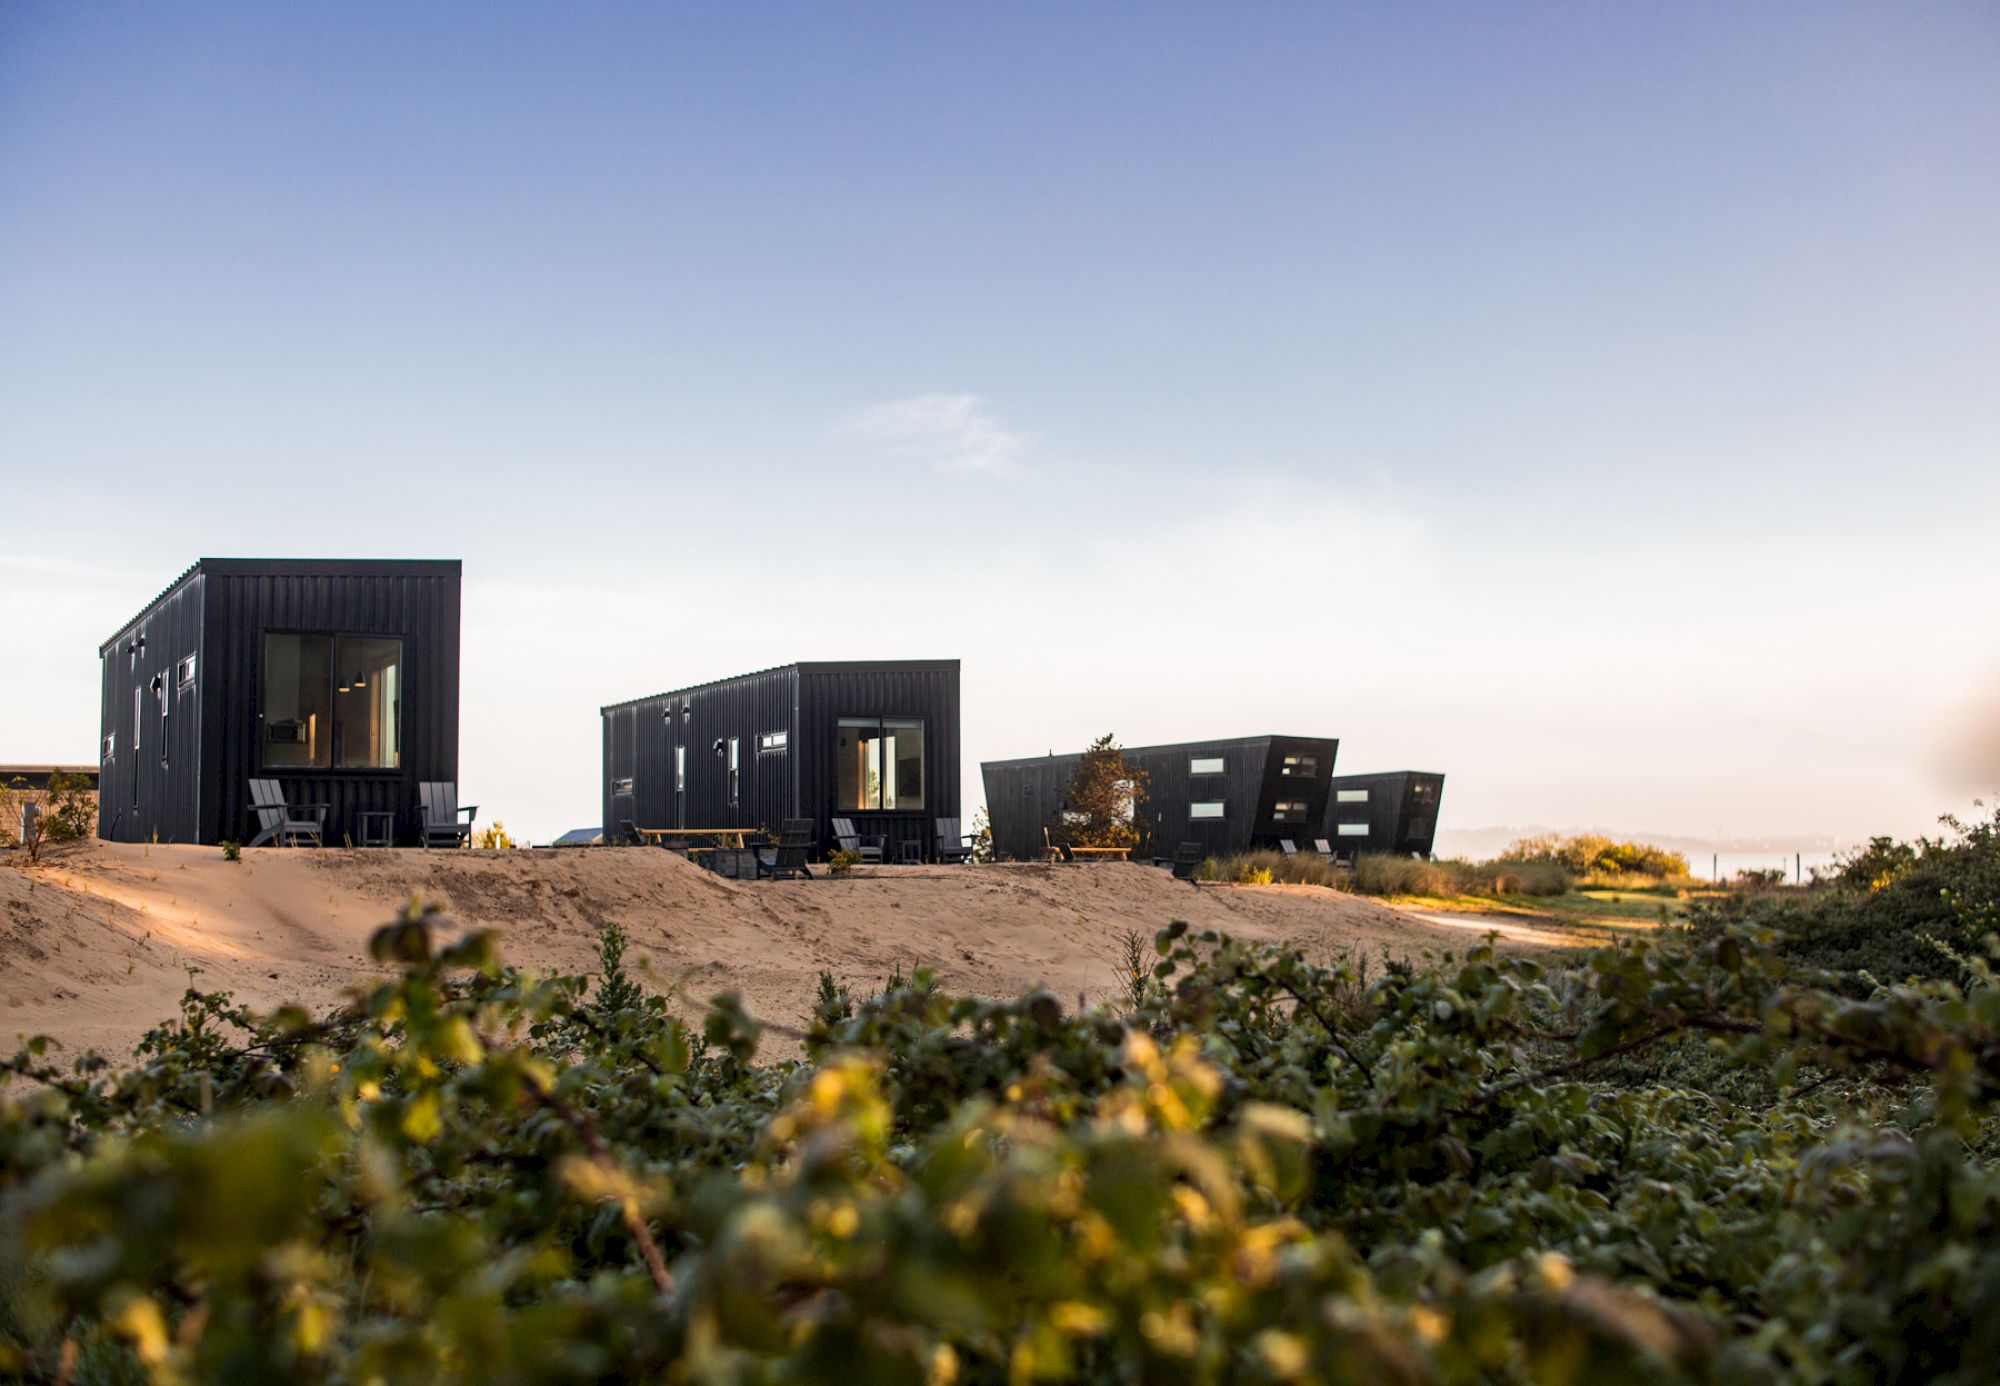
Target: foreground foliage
x,y
1692,1157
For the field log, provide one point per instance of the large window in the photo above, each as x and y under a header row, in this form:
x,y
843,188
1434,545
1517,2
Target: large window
x,y
333,701
881,763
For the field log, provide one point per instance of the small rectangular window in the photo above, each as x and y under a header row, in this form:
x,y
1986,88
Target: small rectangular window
x,y
138,717
1289,811
623,786
184,672
1351,830
680,769
1350,796
734,779
1205,765
773,741
1305,767
1206,808
110,746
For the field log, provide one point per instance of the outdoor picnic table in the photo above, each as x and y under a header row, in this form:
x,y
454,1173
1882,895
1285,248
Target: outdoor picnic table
x,y
724,837
1109,853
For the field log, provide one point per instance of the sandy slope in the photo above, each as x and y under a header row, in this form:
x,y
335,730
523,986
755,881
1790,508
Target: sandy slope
x,y
95,942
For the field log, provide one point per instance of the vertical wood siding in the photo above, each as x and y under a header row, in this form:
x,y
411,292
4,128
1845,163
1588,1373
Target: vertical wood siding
x,y
143,794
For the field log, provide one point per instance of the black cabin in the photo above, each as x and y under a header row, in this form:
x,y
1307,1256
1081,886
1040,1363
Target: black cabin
x,y
336,677
876,741
1394,812
1229,796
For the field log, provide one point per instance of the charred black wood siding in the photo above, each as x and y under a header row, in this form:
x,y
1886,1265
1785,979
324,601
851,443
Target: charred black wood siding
x,y
1401,812
802,703
238,602
149,782
1023,796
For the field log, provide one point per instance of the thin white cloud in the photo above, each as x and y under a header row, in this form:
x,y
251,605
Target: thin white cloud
x,y
954,433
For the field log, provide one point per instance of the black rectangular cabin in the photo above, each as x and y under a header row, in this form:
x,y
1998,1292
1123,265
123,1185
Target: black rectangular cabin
x,y
1229,796
876,741
336,677
1394,812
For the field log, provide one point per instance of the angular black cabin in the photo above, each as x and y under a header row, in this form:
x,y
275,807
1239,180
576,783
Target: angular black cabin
x,y
336,677
1229,796
1394,812
876,741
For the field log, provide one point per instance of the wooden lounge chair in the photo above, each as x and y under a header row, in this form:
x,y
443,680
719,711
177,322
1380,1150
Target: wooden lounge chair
x,y
788,858
629,832
1331,854
284,823
1055,851
1288,847
869,847
953,845
441,814
1188,860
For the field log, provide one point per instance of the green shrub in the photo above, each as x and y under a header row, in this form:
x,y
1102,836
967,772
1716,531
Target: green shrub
x,y
842,860
1888,913
232,851
1691,1157
1599,860
1379,874
1266,867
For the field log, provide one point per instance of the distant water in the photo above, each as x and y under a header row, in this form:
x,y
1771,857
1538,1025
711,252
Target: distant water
x,y
1796,865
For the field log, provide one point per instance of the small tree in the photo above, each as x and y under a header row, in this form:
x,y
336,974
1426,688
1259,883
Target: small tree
x,y
1101,806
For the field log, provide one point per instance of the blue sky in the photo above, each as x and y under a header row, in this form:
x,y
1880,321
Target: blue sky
x,y
1594,402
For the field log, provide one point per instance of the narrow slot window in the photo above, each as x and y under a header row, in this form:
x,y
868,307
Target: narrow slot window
x,y
735,772
680,769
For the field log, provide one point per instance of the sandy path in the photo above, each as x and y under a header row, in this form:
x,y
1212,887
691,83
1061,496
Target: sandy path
x,y
95,943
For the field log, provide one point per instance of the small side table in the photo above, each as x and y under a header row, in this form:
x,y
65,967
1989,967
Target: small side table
x,y
912,852
378,828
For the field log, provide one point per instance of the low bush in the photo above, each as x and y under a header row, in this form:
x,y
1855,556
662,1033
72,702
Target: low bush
x,y
1683,1158
1376,874
1266,868
1598,860
1889,913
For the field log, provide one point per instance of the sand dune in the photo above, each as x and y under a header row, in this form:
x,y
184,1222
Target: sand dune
x,y
96,943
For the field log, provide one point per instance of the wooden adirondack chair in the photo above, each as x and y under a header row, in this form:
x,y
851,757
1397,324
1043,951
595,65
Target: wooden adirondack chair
x,y
953,845
870,847
439,799
282,823
788,858
1188,860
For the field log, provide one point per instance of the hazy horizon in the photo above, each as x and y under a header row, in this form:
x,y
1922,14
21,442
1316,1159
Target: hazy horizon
x,y
1593,405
